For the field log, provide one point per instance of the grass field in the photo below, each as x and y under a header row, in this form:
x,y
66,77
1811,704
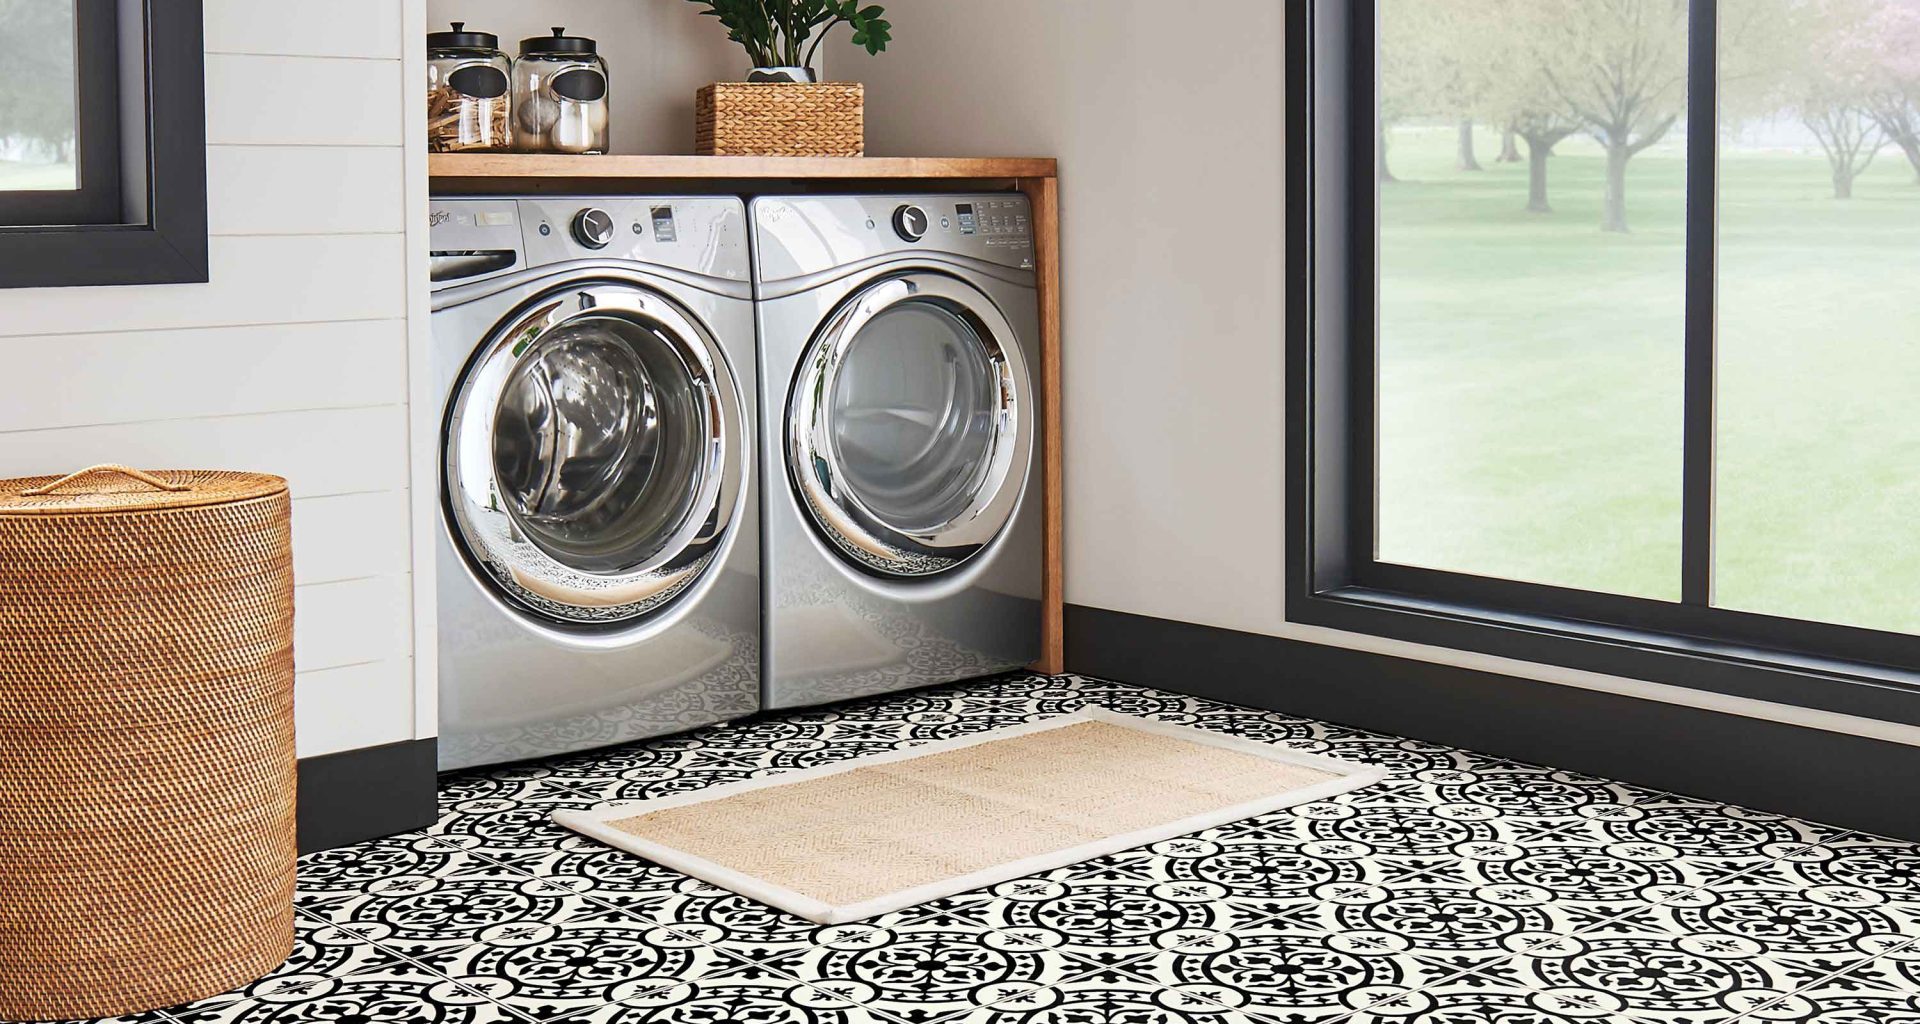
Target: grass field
x,y
1530,378
15,176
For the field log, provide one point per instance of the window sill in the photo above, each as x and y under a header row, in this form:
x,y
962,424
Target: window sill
x,y
1779,676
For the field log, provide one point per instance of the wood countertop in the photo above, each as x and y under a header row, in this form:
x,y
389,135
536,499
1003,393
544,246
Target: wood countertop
x,y
451,173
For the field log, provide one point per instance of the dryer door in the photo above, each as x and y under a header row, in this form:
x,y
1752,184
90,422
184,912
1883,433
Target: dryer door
x,y
595,454
911,425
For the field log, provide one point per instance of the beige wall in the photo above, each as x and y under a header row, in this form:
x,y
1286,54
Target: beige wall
x,y
1170,195
1170,147
658,53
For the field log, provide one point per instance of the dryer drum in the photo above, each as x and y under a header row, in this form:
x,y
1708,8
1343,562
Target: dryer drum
x,y
911,425
597,443
595,453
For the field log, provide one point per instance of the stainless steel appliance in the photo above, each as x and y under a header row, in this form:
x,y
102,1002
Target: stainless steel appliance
x,y
898,337
598,565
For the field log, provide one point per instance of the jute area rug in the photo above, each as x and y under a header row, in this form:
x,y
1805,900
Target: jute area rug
x,y
874,834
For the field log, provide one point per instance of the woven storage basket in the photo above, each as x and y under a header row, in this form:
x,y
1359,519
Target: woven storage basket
x,y
146,739
780,119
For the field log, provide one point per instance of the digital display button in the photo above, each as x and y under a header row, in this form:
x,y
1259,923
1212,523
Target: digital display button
x,y
965,212
663,224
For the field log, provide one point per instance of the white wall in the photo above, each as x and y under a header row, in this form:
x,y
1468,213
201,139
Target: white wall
x,y
658,52
292,359
1171,161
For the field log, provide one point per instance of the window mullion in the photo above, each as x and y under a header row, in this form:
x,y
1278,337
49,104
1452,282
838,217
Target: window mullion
x,y
1364,274
1697,505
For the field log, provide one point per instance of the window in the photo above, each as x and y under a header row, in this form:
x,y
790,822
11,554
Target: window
x,y
102,136
1530,376
1817,438
60,160
1604,347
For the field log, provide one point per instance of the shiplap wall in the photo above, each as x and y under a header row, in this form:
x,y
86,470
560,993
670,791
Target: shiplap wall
x,y
293,359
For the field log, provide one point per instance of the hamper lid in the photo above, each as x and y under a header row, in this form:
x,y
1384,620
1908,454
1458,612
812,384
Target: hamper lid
x,y
114,488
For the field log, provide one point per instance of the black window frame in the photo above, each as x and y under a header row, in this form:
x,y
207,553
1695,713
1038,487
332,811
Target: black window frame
x,y
99,234
1333,576
96,64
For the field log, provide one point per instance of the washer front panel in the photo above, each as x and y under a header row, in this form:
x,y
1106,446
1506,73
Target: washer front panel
x,y
911,424
595,452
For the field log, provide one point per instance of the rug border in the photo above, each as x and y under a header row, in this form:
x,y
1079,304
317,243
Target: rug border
x,y
595,822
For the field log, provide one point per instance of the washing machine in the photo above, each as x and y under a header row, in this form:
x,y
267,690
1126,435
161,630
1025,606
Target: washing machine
x,y
902,515
598,557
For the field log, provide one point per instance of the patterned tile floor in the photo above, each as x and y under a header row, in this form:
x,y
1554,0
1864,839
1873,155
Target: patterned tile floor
x,y
1466,889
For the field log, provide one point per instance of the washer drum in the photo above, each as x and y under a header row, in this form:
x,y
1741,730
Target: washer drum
x,y
146,738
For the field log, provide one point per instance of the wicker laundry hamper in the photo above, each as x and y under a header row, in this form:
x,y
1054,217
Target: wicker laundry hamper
x,y
146,738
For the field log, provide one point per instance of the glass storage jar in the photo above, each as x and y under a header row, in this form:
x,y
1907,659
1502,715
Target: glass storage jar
x,y
468,86
560,95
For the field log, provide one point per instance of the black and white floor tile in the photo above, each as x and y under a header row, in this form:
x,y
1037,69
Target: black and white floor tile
x,y
1464,889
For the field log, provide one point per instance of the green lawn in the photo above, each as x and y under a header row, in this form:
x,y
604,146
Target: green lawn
x,y
15,176
1530,378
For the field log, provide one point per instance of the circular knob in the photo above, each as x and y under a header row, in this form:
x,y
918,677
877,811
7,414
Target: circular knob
x,y
593,228
911,222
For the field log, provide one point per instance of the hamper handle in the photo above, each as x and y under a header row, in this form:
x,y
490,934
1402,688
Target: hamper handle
x,y
108,467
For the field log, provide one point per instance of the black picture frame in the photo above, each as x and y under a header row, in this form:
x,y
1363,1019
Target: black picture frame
x,y
166,241
1334,578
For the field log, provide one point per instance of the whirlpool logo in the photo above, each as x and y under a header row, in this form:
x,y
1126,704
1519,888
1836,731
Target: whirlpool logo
x,y
439,217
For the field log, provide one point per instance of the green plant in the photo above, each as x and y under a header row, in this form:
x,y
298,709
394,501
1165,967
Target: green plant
x,y
775,32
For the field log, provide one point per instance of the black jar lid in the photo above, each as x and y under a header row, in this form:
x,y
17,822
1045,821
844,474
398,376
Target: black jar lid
x,y
461,39
558,42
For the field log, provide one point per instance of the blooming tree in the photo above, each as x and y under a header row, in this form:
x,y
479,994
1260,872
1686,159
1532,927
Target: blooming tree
x,y
1542,70
1890,33
1434,63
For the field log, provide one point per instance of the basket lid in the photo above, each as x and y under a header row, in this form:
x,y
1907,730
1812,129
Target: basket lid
x,y
114,488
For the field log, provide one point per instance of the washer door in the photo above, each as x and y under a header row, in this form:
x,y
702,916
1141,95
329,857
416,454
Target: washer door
x,y
595,453
911,425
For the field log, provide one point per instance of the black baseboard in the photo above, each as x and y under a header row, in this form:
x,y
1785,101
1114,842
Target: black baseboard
x,y
363,794
1866,784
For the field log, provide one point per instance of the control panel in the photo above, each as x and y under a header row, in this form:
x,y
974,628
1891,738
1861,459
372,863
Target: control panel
x,y
816,233
1002,222
472,238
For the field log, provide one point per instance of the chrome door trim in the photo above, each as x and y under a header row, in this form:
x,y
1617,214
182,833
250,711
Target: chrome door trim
x,y
494,543
842,517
